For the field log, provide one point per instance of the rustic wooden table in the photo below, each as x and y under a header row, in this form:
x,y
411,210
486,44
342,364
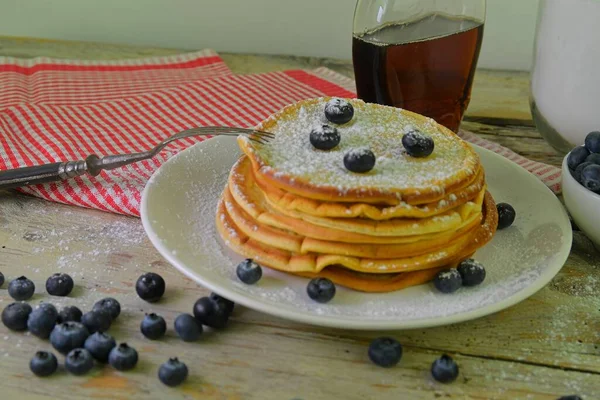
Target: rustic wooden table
x,y
543,348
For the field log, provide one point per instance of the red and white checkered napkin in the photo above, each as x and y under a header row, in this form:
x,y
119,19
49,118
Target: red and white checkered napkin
x,y
110,116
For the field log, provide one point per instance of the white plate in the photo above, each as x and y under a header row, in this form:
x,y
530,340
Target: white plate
x,y
178,209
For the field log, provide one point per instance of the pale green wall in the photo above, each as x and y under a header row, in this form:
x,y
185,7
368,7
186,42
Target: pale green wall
x,y
306,27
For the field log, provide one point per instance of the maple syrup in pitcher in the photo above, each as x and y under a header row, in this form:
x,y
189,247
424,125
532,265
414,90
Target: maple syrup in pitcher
x,y
425,66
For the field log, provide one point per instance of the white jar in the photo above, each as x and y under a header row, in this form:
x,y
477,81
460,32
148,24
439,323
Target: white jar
x,y
565,81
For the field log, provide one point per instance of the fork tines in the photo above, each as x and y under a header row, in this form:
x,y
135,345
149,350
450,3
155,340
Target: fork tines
x,y
259,137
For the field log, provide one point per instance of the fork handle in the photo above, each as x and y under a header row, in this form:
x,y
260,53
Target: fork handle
x,y
14,178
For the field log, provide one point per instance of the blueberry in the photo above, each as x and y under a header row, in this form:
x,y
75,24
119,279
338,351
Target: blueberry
x,y
324,137
339,111
448,281
211,313
359,160
173,372
472,272
109,305
417,144
385,352
229,305
577,173
592,142
68,336
79,361
43,363
150,287
123,357
444,369
590,178
188,328
577,156
42,320
59,285
95,321
571,397
593,158
320,290
99,345
153,326
506,215
15,315
21,288
1,279
249,272
69,313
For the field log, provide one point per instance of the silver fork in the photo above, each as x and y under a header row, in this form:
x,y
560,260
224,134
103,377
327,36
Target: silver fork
x,y
93,164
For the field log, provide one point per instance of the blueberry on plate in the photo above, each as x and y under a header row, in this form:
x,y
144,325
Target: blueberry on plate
x,y
360,160
173,372
79,361
109,305
15,315
444,369
153,326
188,328
43,363
150,287
448,280
96,321
249,272
69,314
123,357
42,320
418,144
577,173
1,279
593,158
590,178
229,305
59,284
68,336
506,215
21,288
385,351
571,397
321,290
472,272
211,313
577,156
592,142
339,111
99,345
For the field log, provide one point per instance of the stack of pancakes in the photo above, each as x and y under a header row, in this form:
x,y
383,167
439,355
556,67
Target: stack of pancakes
x,y
297,209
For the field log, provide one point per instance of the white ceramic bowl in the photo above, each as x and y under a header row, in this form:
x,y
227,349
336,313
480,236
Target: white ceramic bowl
x,y
583,204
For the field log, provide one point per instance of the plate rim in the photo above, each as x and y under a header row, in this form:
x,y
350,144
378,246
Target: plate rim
x,y
342,322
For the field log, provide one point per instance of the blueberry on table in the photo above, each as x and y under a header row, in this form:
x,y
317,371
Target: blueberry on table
x,y
68,336
444,369
592,142
123,357
96,321
385,352
59,285
571,397
1,279
360,160
42,320
472,272
339,111
79,361
15,315
188,328
229,305
321,290
69,314
110,305
249,272
577,173
324,137
100,345
418,144
448,280
173,372
21,288
153,326
577,156
43,363
150,287
506,215
211,313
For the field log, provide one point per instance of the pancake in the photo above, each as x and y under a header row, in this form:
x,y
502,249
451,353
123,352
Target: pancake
x,y
289,162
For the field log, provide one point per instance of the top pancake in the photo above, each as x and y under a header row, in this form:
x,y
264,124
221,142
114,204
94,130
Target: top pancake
x,y
290,163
